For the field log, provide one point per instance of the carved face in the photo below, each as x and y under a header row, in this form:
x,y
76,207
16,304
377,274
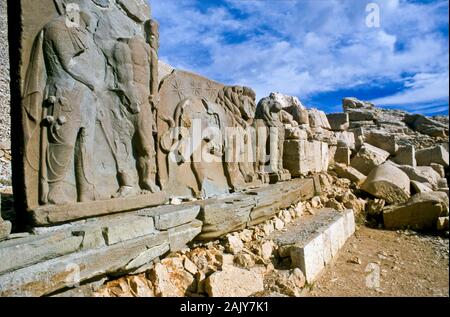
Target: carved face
x,y
102,3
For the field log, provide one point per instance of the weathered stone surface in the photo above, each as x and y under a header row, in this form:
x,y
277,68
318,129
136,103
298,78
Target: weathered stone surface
x,y
383,140
315,241
234,244
18,253
420,187
420,212
389,183
368,157
181,235
318,119
438,168
221,216
5,229
346,139
170,281
360,115
426,125
302,157
350,173
171,216
353,103
406,155
437,154
55,214
442,223
338,121
47,277
127,228
422,174
342,155
233,282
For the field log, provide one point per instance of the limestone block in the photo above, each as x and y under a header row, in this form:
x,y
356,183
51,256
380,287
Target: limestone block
x,y
368,157
338,121
350,173
342,155
437,154
383,140
171,216
181,235
406,155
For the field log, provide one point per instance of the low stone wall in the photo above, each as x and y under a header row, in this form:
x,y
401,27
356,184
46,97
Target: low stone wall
x,y
59,258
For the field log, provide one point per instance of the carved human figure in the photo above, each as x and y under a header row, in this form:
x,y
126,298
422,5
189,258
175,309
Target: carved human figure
x,y
270,136
239,104
74,69
132,65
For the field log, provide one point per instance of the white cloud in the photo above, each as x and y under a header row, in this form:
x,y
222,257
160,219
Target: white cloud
x,y
309,47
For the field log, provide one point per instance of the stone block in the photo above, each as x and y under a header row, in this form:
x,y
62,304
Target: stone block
x,y
383,140
172,216
180,236
437,154
350,173
342,155
338,121
406,155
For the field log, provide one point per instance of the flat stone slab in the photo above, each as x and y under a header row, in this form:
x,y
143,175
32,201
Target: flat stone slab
x,y
222,216
315,241
65,272
56,214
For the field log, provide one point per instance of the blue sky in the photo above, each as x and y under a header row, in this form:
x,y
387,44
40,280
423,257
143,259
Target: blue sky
x,y
317,50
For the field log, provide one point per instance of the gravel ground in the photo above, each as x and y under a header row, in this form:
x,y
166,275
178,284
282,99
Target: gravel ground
x,y
4,75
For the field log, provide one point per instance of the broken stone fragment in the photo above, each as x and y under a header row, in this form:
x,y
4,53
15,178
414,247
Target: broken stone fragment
x,y
368,157
234,282
389,183
442,223
420,212
350,173
234,244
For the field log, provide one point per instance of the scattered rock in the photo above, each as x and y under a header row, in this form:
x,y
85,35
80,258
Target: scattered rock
x,y
234,244
234,282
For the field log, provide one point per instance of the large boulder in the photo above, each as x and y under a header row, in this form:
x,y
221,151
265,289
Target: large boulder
x,y
389,183
420,212
234,282
437,154
368,157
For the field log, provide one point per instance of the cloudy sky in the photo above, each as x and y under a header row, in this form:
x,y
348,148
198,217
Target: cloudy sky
x,y
317,50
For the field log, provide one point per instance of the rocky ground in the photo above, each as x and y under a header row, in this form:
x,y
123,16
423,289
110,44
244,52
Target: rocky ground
x,y
378,262
374,262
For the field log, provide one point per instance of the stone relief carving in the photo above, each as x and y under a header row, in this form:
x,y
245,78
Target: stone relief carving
x,y
92,76
101,123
